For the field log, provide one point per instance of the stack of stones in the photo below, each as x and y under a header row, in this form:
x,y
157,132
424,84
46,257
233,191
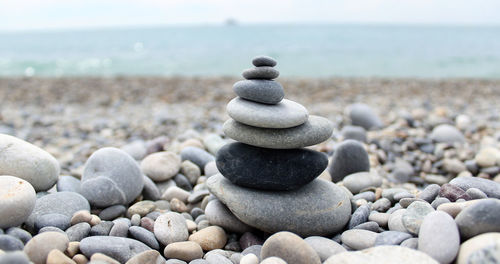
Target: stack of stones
x,y
267,178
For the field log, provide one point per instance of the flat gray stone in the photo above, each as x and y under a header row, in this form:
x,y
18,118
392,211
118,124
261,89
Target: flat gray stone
x,y
21,234
102,229
429,193
218,214
261,91
145,236
489,187
349,157
391,238
119,248
10,243
78,231
24,160
197,155
17,201
447,134
111,176
359,216
65,203
263,60
54,219
361,180
439,237
284,114
306,211
150,190
262,72
314,131
481,217
112,212
68,184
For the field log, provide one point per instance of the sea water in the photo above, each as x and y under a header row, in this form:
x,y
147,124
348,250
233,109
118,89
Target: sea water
x,y
306,50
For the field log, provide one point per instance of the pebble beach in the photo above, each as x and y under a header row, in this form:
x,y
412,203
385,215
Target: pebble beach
x,y
314,170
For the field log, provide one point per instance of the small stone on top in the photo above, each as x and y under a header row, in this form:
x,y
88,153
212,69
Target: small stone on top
x,y
263,61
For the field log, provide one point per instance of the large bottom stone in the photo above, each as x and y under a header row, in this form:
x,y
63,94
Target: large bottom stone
x,y
318,208
269,169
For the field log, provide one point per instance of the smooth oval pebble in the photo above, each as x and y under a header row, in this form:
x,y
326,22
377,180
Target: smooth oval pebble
x,y
260,91
111,176
112,212
447,134
145,236
57,220
17,201
10,243
489,187
359,239
218,214
356,182
147,257
289,247
187,251
478,218
261,73
316,130
171,227
324,247
477,249
349,157
263,60
39,247
120,248
284,114
391,238
161,166
68,184
24,160
306,211
209,238
382,255
78,232
439,237
269,169
414,216
364,116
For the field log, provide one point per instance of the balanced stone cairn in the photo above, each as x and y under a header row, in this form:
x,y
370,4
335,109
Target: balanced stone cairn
x,y
267,178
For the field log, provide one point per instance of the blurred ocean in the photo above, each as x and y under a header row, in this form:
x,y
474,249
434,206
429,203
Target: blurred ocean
x,y
301,50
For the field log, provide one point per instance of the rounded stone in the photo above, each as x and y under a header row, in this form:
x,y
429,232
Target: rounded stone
x,y
78,232
395,222
260,91
358,239
382,255
269,169
349,157
487,157
361,180
210,238
359,216
289,247
10,243
68,184
39,247
161,166
57,220
354,132
364,116
324,247
284,114
391,238
19,233
187,251
447,134
111,176
261,73
197,155
218,214
318,208
17,200
478,218
263,60
414,215
26,161
316,130
80,217
171,227
439,237
145,236
65,203
55,256
15,257
476,247
120,248
452,192
147,257
489,187
112,212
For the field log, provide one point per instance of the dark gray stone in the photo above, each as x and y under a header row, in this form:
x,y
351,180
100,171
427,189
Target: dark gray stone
x,y
195,212
68,184
112,212
391,238
261,73
78,231
269,169
354,132
196,155
261,91
57,220
119,248
145,236
359,216
10,243
65,203
50,229
364,116
478,218
101,229
349,157
263,61
150,191
110,177
489,187
19,233
370,226
306,211
430,193
183,182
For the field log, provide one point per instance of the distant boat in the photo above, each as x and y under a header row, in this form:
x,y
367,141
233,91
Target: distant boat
x,y
231,22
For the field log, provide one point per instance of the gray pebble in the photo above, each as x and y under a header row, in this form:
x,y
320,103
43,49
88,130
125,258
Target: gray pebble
x,y
195,212
145,236
56,220
261,73
261,91
359,239
405,202
475,193
10,243
101,229
402,195
410,243
324,247
119,229
183,182
171,227
429,193
349,157
414,215
381,219
214,258
112,212
354,132
394,208
135,220
19,233
153,215
15,257
68,184
490,188
402,171
478,218
50,229
396,221
370,226
196,155
364,116
150,191
381,205
368,196
389,193
359,216
439,237
263,61
119,248
391,238
197,196
439,201
78,231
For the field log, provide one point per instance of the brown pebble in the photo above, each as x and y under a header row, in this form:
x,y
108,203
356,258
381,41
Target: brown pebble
x,y
148,223
209,238
73,248
378,193
187,251
57,257
104,258
95,220
82,216
80,259
177,205
147,257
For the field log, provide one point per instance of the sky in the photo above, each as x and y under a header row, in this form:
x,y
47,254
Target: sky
x,y
61,14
